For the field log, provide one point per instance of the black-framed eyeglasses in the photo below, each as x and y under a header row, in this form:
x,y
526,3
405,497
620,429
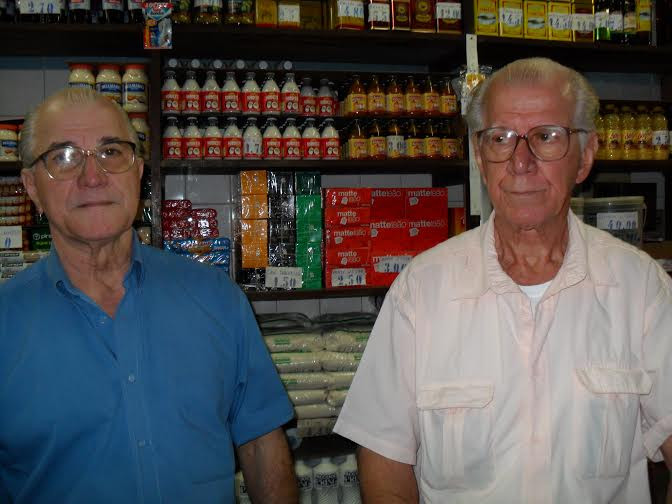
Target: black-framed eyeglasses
x,y
546,142
65,163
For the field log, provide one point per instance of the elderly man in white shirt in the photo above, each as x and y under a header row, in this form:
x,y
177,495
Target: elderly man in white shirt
x,y
530,359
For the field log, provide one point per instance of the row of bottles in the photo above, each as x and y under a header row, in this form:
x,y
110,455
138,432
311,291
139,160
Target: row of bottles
x,y
72,11
628,133
375,140
623,21
320,482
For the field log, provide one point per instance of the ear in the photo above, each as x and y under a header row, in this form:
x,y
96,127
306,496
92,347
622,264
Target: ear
x,y
478,159
28,179
587,158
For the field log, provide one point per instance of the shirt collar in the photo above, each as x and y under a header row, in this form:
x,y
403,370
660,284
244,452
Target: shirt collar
x,y
133,278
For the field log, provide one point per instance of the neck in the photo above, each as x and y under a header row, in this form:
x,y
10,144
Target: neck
x,y
531,256
98,268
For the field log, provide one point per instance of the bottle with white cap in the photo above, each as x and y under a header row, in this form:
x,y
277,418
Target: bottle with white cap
x,y
251,95
348,480
210,94
291,140
307,100
272,140
192,140
212,140
231,95
232,140
252,140
170,94
304,477
289,95
325,481
311,142
325,99
241,489
270,96
172,140
190,96
330,141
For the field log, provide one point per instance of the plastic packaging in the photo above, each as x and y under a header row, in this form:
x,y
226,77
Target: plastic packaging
x,y
336,398
348,480
323,410
241,489
306,381
309,342
134,88
340,340
158,31
325,476
339,379
302,397
340,361
297,362
304,477
108,82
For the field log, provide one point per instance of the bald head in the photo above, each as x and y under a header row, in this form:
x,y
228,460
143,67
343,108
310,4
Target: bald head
x,y
59,103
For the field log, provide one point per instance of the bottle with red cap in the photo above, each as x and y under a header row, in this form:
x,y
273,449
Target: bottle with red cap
x,y
172,140
291,141
231,99
251,95
325,99
330,141
252,140
232,140
311,141
170,94
270,96
212,140
307,100
210,94
192,141
272,140
190,96
289,95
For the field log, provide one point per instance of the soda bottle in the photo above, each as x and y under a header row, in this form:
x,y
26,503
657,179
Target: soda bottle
x,y
212,140
232,140
432,141
251,95
210,94
660,139
629,133
602,20
377,142
375,97
431,100
415,144
394,98
190,96
272,140
630,21
615,23
231,99
325,480
252,140
614,140
356,99
291,141
289,95
644,133
448,99
330,141
192,142
413,98
270,96
358,144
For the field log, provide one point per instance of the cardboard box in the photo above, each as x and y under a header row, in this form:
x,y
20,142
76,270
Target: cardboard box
x,y
583,21
354,237
254,206
347,216
560,21
347,197
347,258
511,18
485,17
387,203
425,233
389,235
536,19
426,203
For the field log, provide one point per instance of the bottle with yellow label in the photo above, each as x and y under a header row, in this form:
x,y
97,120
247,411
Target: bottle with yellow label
x,y
430,98
614,140
451,145
396,143
601,137
415,142
660,136
394,98
358,144
432,141
644,133
448,99
629,133
413,98
356,99
375,97
377,142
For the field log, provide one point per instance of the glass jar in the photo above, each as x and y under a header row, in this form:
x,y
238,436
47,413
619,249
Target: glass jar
x,y
108,82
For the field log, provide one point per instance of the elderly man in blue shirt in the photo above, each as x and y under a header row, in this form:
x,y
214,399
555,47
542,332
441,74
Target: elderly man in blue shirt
x,y
127,374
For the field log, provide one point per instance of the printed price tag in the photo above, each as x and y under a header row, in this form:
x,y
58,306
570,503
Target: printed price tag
x,y
559,21
13,258
348,277
583,22
289,14
391,264
660,138
616,221
379,12
350,9
10,237
511,17
448,10
40,6
284,278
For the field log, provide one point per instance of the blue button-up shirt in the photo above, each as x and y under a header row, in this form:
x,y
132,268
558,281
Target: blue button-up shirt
x,y
143,407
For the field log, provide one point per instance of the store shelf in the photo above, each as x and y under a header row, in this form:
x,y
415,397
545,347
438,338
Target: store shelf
x,y
10,167
71,40
632,166
596,57
456,167
287,295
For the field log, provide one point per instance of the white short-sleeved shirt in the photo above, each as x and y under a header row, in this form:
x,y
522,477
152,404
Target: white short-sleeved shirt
x,y
492,404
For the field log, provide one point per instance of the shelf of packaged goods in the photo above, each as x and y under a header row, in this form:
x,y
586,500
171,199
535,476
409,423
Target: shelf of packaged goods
x,y
71,40
324,446
351,46
442,166
286,295
10,168
587,57
603,165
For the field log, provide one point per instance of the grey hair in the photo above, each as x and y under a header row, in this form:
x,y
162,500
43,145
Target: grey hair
x,y
68,97
569,83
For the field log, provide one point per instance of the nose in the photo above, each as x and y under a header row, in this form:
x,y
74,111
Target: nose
x,y
92,175
522,160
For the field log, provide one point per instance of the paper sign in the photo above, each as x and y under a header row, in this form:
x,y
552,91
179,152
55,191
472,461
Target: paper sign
x,y
284,277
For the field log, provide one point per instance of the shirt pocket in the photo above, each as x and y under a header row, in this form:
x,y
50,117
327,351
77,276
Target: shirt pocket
x,y
456,449
606,419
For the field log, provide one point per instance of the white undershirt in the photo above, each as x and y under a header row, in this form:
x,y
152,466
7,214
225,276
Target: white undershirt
x,y
535,292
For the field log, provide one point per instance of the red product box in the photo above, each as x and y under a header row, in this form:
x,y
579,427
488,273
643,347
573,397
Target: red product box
x,y
347,237
389,234
347,277
387,203
177,204
425,233
347,258
212,232
347,197
177,224
175,214
205,223
347,216
204,213
426,203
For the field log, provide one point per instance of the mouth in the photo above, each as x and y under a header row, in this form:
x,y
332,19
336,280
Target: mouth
x,y
94,204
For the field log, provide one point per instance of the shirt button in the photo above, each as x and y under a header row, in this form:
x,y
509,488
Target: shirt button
x,y
142,443
131,378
